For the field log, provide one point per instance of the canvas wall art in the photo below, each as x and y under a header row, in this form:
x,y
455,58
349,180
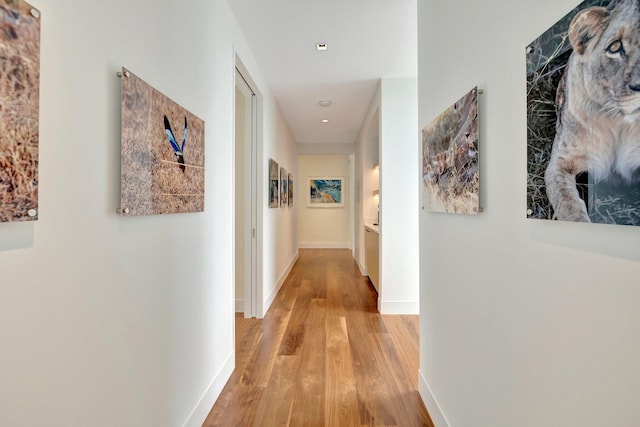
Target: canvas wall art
x,y
274,187
583,116
290,184
162,152
284,188
450,166
19,115
326,192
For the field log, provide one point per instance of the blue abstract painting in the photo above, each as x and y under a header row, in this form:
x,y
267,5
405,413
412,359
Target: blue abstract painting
x,y
326,192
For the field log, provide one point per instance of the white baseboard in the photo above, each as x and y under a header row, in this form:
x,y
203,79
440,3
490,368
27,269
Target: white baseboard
x,y
363,270
240,306
272,295
437,416
203,407
324,245
399,307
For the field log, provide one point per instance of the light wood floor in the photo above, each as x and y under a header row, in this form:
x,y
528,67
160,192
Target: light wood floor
x,y
323,355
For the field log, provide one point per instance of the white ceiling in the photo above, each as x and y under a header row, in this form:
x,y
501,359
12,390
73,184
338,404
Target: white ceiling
x,y
367,40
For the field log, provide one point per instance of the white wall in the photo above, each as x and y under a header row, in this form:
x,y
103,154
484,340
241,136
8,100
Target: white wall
x,y
110,321
323,227
399,272
524,322
367,153
280,227
240,182
325,148
389,137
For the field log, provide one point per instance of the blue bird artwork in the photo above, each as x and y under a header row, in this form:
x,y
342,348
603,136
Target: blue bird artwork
x,y
178,150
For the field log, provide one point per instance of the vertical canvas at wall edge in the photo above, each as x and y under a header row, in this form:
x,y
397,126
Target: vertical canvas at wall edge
x,y
290,184
162,152
284,188
19,115
450,167
325,192
274,187
583,116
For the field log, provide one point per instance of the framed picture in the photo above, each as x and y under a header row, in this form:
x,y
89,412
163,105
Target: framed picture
x,y
290,190
19,115
274,186
325,192
284,188
162,152
583,121
450,167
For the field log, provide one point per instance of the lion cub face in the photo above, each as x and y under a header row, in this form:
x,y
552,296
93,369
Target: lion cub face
x,y
607,46
598,106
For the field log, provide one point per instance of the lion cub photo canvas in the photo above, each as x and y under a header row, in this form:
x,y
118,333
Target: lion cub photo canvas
x,y
583,116
450,167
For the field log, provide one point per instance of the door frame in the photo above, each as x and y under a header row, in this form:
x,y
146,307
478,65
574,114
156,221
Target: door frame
x,y
253,306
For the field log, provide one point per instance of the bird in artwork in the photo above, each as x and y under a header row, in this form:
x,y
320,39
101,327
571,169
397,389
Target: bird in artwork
x,y
178,150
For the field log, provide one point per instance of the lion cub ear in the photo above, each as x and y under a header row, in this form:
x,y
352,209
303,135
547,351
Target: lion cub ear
x,y
585,26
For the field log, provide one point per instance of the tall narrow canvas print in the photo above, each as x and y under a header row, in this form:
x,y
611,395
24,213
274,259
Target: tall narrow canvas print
x,y
274,186
450,167
290,184
325,192
19,101
162,152
284,188
583,116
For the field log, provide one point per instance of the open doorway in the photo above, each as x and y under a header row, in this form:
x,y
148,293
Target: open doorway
x,y
246,238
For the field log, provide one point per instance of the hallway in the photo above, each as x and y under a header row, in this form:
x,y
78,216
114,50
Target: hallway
x,y
323,355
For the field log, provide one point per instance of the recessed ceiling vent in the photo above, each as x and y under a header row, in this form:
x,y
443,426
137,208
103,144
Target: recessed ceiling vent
x,y
324,102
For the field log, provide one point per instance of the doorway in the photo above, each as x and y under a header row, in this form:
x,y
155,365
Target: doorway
x,y
246,238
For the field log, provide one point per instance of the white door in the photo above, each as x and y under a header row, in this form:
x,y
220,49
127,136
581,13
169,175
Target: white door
x,y
245,198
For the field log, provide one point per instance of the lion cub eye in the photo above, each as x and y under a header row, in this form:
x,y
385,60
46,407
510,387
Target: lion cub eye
x,y
615,47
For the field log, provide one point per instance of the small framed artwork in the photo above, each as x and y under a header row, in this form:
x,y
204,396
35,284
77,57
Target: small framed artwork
x,y
326,192
284,188
274,184
290,190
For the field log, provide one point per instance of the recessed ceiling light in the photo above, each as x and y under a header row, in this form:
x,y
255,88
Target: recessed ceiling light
x,y
325,121
324,102
321,46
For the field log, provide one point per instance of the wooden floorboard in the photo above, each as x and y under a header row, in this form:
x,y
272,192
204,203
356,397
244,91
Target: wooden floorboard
x,y
324,356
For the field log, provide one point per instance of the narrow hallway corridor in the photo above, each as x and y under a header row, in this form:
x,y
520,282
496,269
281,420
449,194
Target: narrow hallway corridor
x,y
323,355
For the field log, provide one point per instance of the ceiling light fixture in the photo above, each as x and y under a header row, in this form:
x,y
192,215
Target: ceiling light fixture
x,y
321,46
325,121
324,102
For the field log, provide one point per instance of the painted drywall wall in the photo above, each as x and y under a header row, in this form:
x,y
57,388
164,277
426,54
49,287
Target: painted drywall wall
x,y
326,148
524,322
241,105
280,228
367,153
399,178
323,227
111,321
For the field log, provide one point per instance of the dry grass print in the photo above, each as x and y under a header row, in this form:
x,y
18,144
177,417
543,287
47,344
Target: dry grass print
x,y
450,158
162,170
19,104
